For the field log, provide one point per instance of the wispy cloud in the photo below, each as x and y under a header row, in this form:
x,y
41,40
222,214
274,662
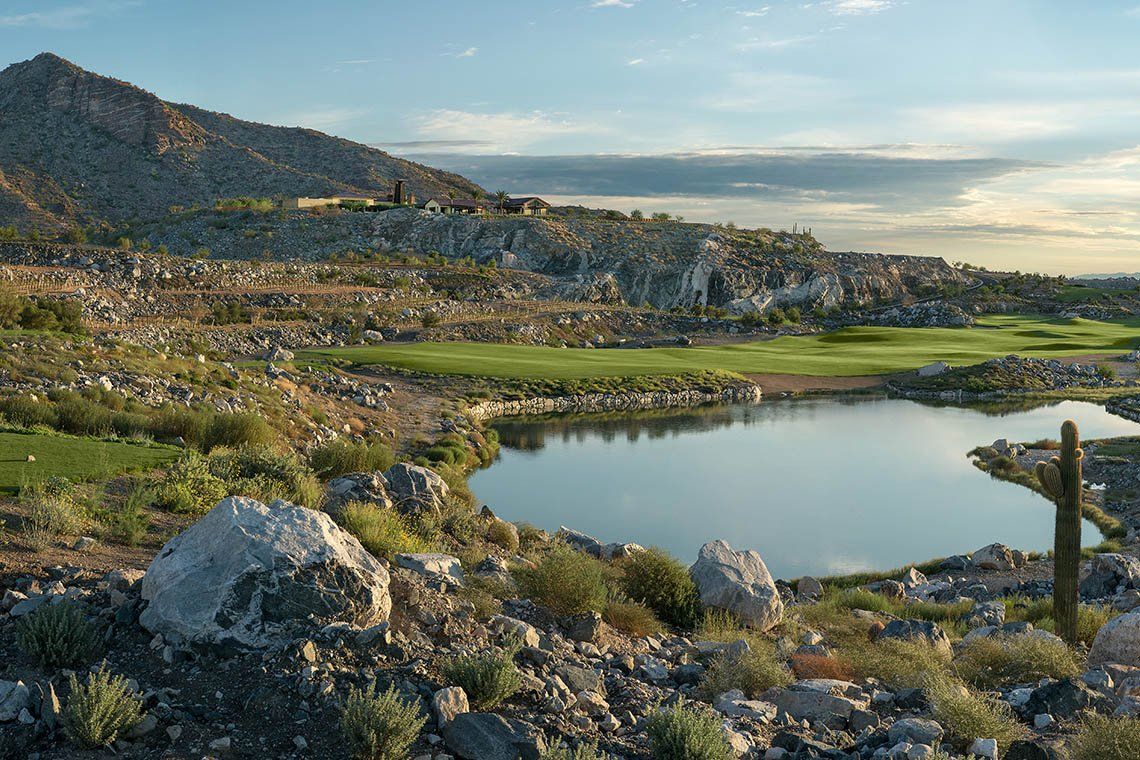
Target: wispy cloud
x,y
67,16
487,132
757,13
470,52
612,3
774,43
858,7
636,62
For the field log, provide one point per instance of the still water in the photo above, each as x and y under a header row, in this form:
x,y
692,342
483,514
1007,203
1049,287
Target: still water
x,y
817,485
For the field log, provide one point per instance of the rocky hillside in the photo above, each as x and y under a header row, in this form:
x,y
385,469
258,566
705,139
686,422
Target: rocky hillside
x,y
80,147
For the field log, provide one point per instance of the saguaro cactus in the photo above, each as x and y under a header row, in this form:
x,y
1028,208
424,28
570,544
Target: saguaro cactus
x,y
1062,479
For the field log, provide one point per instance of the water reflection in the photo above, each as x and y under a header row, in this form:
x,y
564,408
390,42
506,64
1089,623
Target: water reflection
x,y
818,485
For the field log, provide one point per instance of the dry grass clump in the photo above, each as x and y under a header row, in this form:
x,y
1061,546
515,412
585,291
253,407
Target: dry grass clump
x,y
566,581
1090,617
900,663
1104,738
1004,660
380,726
383,532
100,709
52,512
967,715
631,617
821,666
752,672
489,679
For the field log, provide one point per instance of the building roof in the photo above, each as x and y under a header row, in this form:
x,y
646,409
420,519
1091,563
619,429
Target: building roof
x,y
526,200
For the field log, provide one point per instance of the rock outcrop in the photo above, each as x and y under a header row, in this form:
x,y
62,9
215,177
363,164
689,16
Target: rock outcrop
x,y
738,582
1117,642
245,572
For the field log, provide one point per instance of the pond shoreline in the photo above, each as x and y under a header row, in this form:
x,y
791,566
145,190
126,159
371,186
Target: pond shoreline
x,y
740,393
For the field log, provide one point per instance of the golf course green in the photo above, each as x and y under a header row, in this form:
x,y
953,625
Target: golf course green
x,y
851,351
72,458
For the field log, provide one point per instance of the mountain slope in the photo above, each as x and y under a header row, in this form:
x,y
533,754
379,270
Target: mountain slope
x,y
77,147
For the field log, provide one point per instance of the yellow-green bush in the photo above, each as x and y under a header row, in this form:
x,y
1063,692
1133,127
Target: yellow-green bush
x,y
566,581
382,531
99,709
380,726
1004,660
1104,738
663,584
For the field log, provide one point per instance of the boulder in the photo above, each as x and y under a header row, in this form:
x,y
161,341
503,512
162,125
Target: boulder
x,y
1064,699
448,703
14,699
933,369
432,565
921,630
278,354
486,736
738,582
915,731
415,489
809,587
1108,574
1118,642
994,557
365,487
246,574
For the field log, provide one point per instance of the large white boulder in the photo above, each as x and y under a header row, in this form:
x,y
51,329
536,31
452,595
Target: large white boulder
x,y
1118,642
415,488
738,582
246,574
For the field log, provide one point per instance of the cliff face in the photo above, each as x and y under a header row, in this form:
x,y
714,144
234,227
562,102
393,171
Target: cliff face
x,y
670,264
77,147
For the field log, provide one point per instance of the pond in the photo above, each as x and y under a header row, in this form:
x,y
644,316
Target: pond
x,y
818,485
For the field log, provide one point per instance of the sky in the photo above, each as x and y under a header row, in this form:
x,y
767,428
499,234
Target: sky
x,y
1004,133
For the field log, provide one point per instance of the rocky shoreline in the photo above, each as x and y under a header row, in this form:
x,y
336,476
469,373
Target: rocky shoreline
x,y
612,402
1128,408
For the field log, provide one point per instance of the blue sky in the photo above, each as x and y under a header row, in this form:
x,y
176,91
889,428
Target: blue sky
x,y
999,132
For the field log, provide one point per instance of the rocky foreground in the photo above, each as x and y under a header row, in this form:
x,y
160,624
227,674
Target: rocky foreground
x,y
252,630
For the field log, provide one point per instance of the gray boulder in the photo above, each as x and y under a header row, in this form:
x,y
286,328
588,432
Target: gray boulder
x,y
486,736
915,731
415,489
738,582
1117,642
432,565
14,699
247,574
994,557
1108,574
364,487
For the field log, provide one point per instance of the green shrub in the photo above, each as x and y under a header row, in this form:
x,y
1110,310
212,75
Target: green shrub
x,y
237,430
1103,738
80,416
1002,660
51,513
687,733
340,457
383,532
57,635
663,584
266,475
503,535
380,726
129,522
100,709
632,618
752,672
584,751
21,411
489,679
566,581
188,486
966,714
900,663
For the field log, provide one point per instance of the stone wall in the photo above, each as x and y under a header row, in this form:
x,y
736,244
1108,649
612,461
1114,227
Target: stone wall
x,y
1128,408
614,402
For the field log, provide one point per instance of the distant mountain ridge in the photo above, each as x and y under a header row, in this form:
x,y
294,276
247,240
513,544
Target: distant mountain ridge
x,y
78,147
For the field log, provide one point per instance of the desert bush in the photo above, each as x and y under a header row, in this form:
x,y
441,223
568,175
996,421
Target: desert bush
x,y
100,709
22,411
1104,738
1001,660
584,751
718,625
340,457
503,535
566,581
383,532
630,617
1090,617
663,584
128,523
900,663
753,672
57,635
266,475
489,679
237,430
486,594
189,486
380,726
821,666
687,733
51,512
966,714
80,416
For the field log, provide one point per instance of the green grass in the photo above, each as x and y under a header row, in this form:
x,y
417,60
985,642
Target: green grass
x,y
848,352
72,458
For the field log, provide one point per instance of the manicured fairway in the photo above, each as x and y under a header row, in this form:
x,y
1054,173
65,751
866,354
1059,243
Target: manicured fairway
x,y
848,352
72,458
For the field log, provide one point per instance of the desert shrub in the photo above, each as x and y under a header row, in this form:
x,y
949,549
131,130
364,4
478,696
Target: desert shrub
x,y
128,522
632,618
687,733
51,512
584,751
663,584
80,416
1000,660
383,532
100,709
189,425
266,475
503,535
22,411
1104,738
189,487
718,625
237,430
752,672
340,457
380,726
966,714
821,666
485,593
862,599
566,581
489,678
900,663
531,536
57,635
1090,617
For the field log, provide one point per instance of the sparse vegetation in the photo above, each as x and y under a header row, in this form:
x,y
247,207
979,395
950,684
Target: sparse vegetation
x,y
1003,660
383,532
57,635
566,581
752,672
100,709
380,725
1104,738
489,679
687,733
